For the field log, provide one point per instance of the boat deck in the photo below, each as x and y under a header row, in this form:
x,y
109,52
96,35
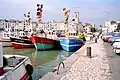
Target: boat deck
x,y
11,62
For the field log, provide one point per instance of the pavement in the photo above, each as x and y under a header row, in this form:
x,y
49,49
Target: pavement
x,y
104,64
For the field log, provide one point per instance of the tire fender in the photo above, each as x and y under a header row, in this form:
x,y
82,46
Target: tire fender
x,y
29,69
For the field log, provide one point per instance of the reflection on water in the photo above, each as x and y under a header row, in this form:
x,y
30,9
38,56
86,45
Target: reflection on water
x,y
43,61
63,54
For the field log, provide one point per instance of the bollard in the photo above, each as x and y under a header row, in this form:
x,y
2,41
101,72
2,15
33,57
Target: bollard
x,y
95,40
89,52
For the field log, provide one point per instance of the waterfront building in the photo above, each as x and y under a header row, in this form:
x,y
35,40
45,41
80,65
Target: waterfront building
x,y
104,29
87,27
13,27
2,24
51,28
8,26
112,25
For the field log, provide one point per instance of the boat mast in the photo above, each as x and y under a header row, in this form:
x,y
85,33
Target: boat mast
x,y
39,13
76,20
27,21
66,14
39,16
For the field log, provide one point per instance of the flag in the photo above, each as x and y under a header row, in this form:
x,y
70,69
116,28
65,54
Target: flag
x,y
28,16
41,5
38,9
66,16
29,19
28,12
65,22
73,19
75,15
66,13
25,15
66,19
38,13
64,9
38,5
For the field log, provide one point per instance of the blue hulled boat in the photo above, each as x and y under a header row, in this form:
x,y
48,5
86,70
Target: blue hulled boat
x,y
71,43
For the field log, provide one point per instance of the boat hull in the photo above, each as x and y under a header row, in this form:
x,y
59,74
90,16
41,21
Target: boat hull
x,y
42,43
6,42
21,43
16,71
71,44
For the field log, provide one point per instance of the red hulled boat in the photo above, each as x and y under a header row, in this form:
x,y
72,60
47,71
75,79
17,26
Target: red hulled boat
x,y
19,43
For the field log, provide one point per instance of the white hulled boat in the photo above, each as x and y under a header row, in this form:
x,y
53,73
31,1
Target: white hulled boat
x,y
14,67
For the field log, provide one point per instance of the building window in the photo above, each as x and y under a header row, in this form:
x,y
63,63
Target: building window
x,y
4,35
7,35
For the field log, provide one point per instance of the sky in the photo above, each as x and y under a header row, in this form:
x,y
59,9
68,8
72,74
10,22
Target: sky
x,y
91,11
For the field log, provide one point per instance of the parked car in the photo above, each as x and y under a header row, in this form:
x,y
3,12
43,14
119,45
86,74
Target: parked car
x,y
116,47
113,39
116,40
107,36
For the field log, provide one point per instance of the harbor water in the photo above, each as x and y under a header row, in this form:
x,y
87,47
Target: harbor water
x,y
42,61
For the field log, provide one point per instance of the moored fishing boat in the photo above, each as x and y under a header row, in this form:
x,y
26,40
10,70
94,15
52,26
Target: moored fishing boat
x,y
14,67
22,40
42,43
5,42
19,43
71,43
5,38
40,39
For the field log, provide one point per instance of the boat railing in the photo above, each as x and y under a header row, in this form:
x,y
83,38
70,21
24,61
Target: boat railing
x,y
16,67
59,66
54,70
